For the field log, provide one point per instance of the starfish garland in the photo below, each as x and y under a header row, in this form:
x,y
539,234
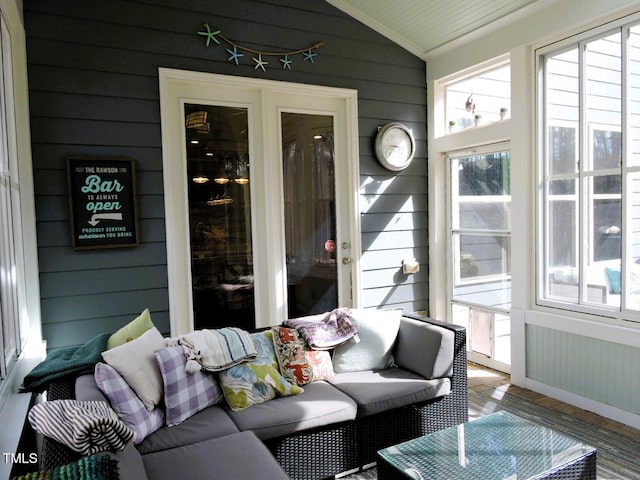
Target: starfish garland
x,y
234,55
260,63
309,55
211,35
286,63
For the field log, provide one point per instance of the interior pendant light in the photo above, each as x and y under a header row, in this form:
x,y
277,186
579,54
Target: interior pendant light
x,y
200,178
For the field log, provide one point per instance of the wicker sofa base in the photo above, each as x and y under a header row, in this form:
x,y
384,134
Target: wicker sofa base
x,y
317,453
401,424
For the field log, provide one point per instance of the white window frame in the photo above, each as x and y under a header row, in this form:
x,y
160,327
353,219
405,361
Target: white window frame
x,y
10,228
13,405
597,312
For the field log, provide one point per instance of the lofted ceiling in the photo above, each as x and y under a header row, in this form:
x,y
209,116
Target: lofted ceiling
x,y
425,26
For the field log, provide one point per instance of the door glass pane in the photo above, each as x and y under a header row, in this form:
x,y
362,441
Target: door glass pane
x,y
481,214
482,273
309,210
220,216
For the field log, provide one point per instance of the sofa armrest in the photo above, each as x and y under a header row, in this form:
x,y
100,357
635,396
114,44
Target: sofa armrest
x,y
86,389
54,453
459,383
424,348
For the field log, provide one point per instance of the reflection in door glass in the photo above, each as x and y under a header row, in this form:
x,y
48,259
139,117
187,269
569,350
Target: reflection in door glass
x,y
309,207
220,216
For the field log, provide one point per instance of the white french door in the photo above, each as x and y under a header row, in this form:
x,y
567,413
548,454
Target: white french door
x,y
480,232
261,192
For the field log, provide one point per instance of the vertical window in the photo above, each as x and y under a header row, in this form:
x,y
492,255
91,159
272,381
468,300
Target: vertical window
x,y
478,187
9,217
589,242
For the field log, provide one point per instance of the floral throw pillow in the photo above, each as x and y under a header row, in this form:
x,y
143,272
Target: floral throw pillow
x,y
298,363
258,380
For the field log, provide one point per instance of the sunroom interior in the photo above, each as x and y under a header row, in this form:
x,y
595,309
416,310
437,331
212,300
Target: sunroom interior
x,y
518,205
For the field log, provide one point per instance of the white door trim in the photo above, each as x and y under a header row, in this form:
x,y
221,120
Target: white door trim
x,y
178,87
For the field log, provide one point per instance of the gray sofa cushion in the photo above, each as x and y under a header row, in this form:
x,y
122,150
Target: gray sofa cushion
x,y
130,465
237,456
87,390
319,405
424,348
376,391
212,422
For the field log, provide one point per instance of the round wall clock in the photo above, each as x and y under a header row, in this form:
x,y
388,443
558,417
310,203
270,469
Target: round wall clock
x,y
394,146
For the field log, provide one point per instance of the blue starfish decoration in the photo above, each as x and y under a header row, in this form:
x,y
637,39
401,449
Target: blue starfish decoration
x,y
235,55
211,35
286,63
309,55
260,63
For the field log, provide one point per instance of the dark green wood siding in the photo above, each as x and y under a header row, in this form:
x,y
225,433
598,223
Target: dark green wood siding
x,y
93,83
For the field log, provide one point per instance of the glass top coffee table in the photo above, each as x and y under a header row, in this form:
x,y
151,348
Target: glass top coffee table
x,y
498,446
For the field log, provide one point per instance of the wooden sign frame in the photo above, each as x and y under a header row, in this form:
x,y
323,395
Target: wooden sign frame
x,y
102,202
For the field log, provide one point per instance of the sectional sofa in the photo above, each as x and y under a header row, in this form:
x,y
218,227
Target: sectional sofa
x,y
335,425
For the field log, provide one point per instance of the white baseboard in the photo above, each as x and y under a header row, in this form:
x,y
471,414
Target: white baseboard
x,y
613,413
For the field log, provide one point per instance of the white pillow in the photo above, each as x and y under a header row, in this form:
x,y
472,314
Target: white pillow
x,y
377,330
136,362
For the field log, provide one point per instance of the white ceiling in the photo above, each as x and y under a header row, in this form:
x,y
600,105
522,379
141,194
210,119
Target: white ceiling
x,y
424,26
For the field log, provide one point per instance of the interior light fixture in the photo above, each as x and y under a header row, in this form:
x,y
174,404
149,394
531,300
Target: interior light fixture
x,y
200,178
241,173
221,180
219,200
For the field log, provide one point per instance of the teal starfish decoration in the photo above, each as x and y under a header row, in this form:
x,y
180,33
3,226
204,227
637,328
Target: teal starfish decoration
x,y
211,35
286,63
235,55
309,55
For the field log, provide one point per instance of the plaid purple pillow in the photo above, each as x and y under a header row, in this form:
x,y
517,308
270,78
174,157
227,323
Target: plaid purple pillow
x,y
184,393
126,404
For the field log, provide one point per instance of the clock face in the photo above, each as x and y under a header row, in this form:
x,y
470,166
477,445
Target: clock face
x,y
395,146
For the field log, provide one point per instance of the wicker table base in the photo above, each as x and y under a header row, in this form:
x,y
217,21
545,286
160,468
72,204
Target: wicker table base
x,y
499,446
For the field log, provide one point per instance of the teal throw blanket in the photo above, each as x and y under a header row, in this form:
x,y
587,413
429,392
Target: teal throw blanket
x,y
66,362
